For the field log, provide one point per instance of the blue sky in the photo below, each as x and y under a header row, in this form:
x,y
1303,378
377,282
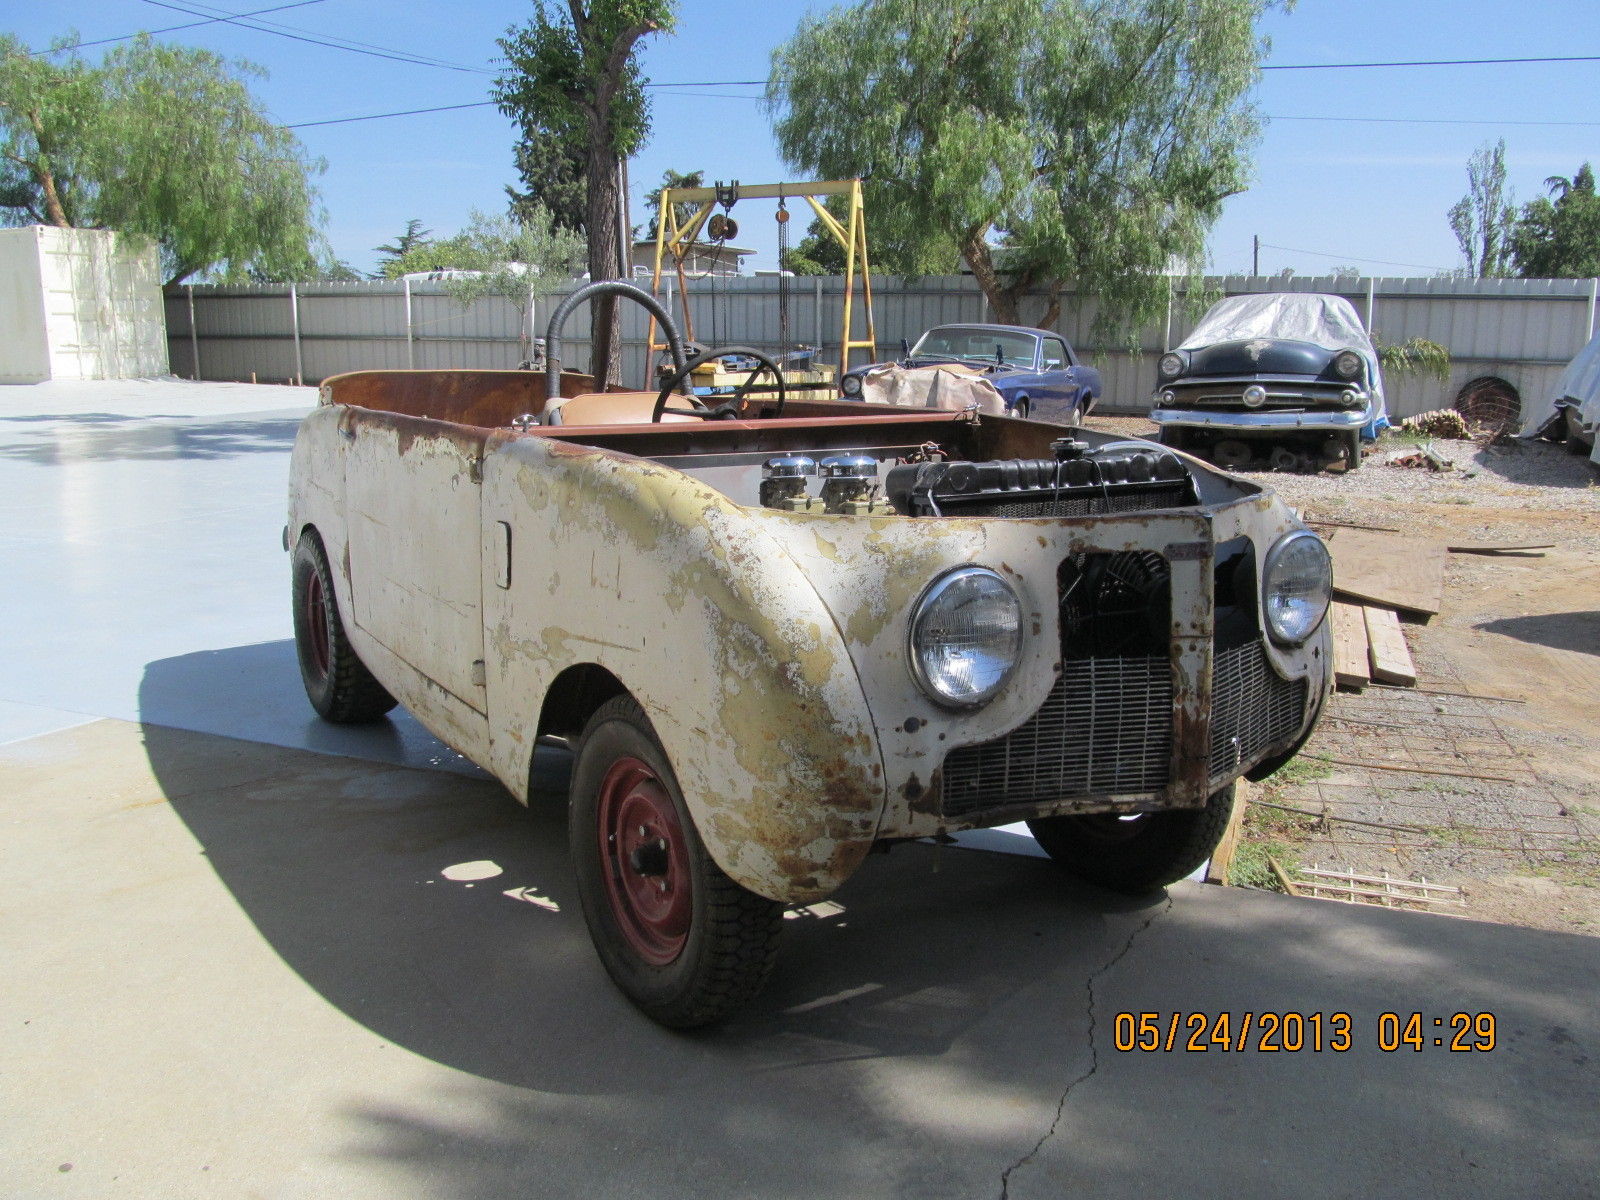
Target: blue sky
x,y
1361,191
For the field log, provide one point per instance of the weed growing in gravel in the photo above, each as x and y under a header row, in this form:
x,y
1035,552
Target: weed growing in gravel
x,y
1250,867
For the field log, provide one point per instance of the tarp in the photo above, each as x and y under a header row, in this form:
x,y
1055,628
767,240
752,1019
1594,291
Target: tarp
x,y
1327,321
1579,387
949,386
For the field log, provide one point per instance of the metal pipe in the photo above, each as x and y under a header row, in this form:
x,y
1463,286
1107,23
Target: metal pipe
x,y
1594,294
1372,301
294,314
194,336
411,349
603,287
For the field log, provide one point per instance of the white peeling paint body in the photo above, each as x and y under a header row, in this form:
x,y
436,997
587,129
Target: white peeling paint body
x,y
769,649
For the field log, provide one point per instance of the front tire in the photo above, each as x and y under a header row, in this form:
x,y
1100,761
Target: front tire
x,y
686,944
338,683
1139,853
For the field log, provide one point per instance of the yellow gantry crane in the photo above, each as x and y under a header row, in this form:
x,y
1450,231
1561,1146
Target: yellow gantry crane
x,y
678,241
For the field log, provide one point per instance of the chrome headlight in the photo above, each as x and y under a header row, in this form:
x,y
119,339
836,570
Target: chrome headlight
x,y
1172,363
966,635
1296,586
850,385
1347,364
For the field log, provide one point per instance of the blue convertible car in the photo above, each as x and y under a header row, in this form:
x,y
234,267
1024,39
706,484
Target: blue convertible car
x,y
1034,370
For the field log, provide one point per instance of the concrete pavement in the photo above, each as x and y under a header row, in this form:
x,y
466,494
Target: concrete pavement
x,y
247,955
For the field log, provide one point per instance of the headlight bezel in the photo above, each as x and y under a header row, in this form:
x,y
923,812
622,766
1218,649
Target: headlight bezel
x,y
1172,364
846,388
924,606
1347,365
1271,563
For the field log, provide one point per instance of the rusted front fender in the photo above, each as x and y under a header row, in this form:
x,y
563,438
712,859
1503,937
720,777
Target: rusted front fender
x,y
713,628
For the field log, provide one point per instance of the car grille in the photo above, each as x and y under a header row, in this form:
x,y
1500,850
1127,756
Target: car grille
x,y
1253,708
1106,726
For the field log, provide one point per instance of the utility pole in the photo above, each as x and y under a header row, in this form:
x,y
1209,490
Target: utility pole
x,y
1255,255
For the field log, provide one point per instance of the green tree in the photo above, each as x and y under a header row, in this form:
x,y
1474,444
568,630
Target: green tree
x,y
1558,237
819,252
1482,220
574,74
670,179
161,141
499,256
1098,137
415,235
553,179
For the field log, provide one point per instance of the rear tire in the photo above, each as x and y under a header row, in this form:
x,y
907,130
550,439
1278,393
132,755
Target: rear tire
x,y
686,944
1352,453
338,683
1135,854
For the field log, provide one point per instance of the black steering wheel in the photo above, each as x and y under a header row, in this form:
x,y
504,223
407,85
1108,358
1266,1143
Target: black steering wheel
x,y
734,404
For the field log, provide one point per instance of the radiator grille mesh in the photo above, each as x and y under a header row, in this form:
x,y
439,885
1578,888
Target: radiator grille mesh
x,y
1252,707
1106,729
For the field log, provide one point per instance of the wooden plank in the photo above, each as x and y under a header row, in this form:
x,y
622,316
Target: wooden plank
x,y
1390,656
1349,646
1501,549
1283,877
1228,844
1388,570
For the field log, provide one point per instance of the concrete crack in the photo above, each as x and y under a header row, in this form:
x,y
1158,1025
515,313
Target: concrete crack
x,y
1094,1051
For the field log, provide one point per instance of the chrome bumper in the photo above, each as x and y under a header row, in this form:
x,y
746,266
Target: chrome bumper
x,y
1333,422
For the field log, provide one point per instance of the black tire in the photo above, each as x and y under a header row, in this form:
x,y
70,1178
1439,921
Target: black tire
x,y
703,946
1352,452
1135,854
1022,409
338,683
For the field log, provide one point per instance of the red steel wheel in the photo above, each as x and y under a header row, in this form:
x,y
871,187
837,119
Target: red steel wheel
x,y
315,604
647,876
337,682
680,939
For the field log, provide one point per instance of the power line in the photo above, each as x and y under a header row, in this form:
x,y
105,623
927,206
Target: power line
x,y
1432,62
128,37
1356,257
1345,66
401,56
410,112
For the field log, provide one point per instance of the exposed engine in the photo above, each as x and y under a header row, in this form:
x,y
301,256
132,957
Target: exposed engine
x,y
1077,482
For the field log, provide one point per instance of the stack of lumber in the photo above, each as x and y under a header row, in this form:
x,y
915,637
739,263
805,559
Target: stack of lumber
x,y
1376,577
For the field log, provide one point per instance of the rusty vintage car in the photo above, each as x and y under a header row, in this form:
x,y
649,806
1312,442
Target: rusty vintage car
x,y
778,634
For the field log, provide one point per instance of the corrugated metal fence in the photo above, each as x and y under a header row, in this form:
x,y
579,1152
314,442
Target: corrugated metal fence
x,y
1520,330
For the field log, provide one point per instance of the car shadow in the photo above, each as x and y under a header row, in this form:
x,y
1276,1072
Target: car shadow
x,y
1575,631
922,1032
348,869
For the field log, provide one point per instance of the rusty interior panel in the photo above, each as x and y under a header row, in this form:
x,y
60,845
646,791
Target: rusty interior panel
x,y
488,399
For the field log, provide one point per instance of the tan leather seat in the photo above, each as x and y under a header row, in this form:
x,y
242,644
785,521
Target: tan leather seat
x,y
609,408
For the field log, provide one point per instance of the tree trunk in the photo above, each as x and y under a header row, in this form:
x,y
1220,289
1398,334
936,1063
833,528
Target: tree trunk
x,y
53,207
976,251
605,252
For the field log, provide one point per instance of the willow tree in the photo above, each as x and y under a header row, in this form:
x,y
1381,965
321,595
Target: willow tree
x,y
161,141
1089,142
571,72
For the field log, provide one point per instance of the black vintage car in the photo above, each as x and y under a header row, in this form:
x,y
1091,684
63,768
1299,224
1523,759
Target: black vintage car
x,y
1289,377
